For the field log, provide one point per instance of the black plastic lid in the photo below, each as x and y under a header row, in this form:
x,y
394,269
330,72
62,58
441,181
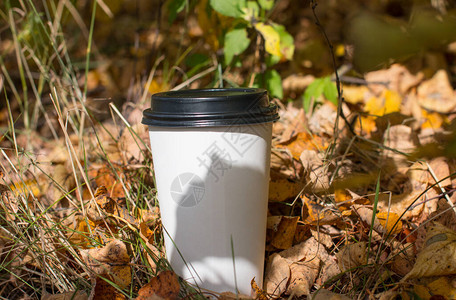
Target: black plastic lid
x,y
210,107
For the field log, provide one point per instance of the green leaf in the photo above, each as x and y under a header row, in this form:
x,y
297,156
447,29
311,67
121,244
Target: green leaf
x,y
251,12
236,41
175,7
313,93
195,62
274,83
230,8
330,90
266,4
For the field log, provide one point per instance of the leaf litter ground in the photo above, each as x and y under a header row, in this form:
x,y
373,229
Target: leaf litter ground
x,y
370,213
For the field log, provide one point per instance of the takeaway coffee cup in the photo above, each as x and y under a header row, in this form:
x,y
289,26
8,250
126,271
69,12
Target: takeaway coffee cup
x,y
211,152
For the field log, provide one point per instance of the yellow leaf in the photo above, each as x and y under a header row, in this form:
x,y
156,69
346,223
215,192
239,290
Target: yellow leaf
x,y
271,38
283,189
355,94
444,287
437,257
26,187
157,87
390,222
434,120
389,102
213,24
366,125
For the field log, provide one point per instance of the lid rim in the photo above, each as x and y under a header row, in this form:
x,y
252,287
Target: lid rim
x,y
210,107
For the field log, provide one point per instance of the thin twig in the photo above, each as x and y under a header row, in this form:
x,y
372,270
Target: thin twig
x,y
313,4
441,187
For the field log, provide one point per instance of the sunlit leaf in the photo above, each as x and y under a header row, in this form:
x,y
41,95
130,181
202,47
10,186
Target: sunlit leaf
x,y
236,41
266,4
230,8
271,38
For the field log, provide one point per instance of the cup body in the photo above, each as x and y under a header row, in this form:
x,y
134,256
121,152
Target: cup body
x,y
212,185
211,152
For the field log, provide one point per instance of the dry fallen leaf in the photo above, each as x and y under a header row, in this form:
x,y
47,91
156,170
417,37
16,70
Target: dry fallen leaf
x,y
103,205
105,176
260,294
283,237
437,257
102,290
164,286
397,77
283,189
327,295
316,214
302,278
312,162
79,295
352,256
304,141
436,94
233,296
111,261
277,275
402,139
390,223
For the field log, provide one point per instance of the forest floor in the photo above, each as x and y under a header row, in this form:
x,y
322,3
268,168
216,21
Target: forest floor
x,y
363,164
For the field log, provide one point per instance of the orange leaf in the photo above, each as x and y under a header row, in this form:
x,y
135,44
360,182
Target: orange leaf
x,y
314,213
259,293
283,238
390,222
165,285
304,141
105,291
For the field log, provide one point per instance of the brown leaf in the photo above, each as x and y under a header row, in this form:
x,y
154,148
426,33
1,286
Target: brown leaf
x,y
441,170
437,257
297,124
79,295
106,176
436,94
233,296
283,189
104,291
111,261
283,238
166,286
303,275
277,275
351,256
328,295
312,162
398,77
132,146
403,139
102,205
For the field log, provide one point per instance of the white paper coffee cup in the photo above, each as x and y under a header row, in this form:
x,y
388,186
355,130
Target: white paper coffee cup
x,y
211,152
